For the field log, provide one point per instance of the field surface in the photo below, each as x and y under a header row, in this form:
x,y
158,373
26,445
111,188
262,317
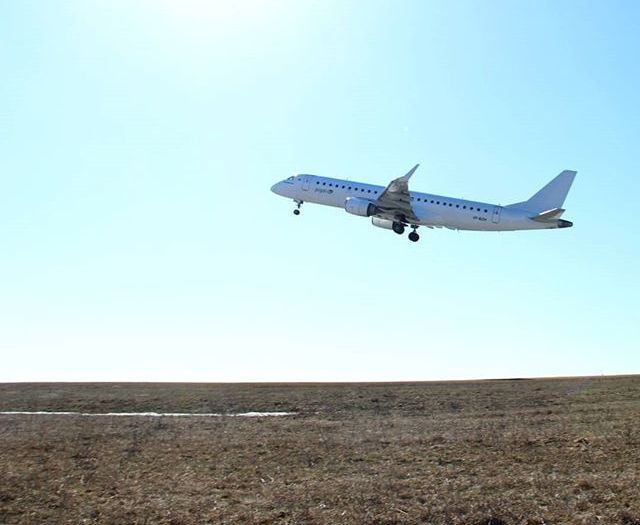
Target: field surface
x,y
552,451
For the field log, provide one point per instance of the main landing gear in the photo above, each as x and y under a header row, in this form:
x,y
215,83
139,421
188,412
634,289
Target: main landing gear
x,y
297,210
399,227
413,236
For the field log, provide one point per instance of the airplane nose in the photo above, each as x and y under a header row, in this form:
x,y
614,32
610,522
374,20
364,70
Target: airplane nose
x,y
277,188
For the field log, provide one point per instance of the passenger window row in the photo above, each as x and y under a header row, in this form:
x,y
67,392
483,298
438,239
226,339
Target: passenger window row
x,y
464,207
348,187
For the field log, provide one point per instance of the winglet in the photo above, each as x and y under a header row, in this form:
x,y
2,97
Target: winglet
x,y
411,172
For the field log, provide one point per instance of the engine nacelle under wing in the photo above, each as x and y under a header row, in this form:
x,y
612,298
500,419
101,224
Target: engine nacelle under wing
x,y
359,207
385,224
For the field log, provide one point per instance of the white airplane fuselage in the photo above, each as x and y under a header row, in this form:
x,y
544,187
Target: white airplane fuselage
x,y
429,210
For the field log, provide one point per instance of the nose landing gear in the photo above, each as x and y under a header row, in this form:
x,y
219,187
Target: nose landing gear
x,y
297,210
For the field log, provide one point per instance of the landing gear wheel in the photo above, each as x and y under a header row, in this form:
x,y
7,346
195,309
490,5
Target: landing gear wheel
x,y
296,212
414,237
398,227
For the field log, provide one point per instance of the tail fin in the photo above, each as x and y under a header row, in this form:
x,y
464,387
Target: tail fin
x,y
550,197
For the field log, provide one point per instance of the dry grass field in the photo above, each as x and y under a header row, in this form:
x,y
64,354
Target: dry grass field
x,y
554,451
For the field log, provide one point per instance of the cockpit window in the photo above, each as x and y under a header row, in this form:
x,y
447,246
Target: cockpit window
x,y
291,178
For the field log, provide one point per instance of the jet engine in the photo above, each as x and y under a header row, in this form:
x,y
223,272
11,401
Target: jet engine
x,y
385,224
359,207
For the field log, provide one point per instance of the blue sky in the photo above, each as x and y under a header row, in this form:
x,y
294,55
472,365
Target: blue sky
x,y
138,143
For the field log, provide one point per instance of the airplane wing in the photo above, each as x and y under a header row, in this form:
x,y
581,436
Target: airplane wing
x,y
394,203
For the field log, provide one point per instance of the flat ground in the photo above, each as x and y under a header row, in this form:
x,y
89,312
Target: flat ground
x,y
515,451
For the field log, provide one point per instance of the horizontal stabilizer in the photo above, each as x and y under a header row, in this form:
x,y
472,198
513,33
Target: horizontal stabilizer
x,y
548,215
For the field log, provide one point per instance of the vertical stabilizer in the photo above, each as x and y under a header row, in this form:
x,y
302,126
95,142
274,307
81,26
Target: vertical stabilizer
x,y
550,197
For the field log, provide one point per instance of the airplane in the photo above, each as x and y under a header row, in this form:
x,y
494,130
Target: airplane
x,y
396,208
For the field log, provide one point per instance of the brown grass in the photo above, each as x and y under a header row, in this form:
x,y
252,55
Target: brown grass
x,y
485,452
